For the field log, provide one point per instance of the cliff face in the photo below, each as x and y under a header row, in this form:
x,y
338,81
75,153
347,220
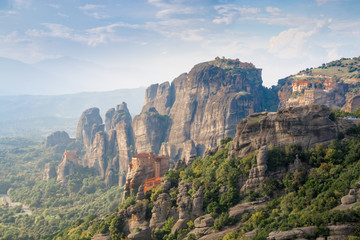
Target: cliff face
x,y
205,105
150,129
180,120
90,122
307,126
109,152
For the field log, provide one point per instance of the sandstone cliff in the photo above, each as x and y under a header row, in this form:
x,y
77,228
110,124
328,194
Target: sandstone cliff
x,y
150,129
109,151
205,105
307,126
89,124
181,120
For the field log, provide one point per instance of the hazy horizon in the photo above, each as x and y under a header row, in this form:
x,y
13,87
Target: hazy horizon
x,y
66,47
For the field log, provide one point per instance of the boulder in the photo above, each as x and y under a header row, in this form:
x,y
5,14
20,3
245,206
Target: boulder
x,y
205,221
296,233
348,199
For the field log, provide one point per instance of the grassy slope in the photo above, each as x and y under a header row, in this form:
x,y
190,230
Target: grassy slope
x,y
343,68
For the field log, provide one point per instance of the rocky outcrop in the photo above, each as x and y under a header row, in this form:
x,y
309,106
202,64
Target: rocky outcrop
x,y
68,166
352,103
303,232
160,211
197,204
108,118
101,237
205,105
138,225
238,210
307,126
159,97
49,172
59,141
89,124
107,152
203,225
184,207
150,129
335,232
257,173
352,198
58,137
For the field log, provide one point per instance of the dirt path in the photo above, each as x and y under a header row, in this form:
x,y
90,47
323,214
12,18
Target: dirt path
x,y
14,204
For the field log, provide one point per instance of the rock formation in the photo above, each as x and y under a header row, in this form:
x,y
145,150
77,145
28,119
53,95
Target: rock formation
x,y
59,141
205,105
58,137
150,129
307,126
160,211
68,166
107,152
184,207
343,231
138,226
89,124
181,120
49,172
257,173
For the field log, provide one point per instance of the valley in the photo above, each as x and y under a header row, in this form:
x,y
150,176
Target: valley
x,y
212,154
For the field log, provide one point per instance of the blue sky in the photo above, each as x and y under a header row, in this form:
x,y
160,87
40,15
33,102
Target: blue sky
x,y
137,42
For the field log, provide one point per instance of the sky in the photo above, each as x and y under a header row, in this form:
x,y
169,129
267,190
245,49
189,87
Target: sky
x,y
132,43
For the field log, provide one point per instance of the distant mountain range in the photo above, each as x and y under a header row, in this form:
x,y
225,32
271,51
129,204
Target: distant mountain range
x,y
39,115
63,75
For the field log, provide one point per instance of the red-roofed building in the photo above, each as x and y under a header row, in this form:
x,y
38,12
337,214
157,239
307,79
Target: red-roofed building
x,y
298,86
147,169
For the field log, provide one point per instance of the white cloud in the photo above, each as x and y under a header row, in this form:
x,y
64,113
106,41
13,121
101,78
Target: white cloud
x,y
88,7
63,15
16,46
168,10
56,30
321,2
92,11
230,12
192,35
92,37
54,5
294,42
273,10
22,3
8,13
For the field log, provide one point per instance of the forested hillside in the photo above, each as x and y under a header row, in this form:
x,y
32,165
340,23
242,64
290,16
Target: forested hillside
x,y
301,189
